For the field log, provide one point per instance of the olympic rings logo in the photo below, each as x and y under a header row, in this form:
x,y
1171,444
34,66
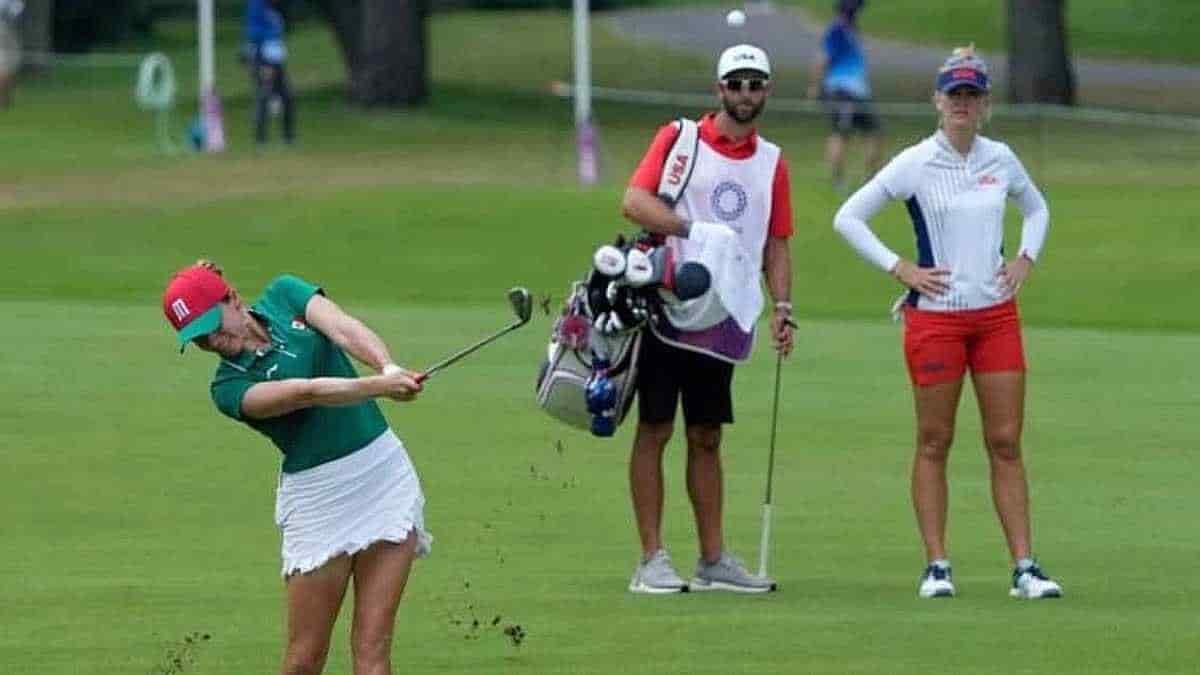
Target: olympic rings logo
x,y
729,201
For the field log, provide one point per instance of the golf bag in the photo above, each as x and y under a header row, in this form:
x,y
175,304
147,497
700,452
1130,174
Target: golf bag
x,y
590,372
588,378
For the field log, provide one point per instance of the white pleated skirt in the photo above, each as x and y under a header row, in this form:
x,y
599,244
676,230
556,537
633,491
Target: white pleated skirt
x,y
344,506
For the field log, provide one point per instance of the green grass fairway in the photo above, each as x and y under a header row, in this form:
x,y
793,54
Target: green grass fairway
x,y
135,516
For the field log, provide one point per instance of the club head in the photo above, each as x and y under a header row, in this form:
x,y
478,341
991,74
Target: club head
x,y
522,304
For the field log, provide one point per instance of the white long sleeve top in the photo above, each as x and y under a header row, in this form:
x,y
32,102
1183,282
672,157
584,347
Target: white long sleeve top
x,y
957,204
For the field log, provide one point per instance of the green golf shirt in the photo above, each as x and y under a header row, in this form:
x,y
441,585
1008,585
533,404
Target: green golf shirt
x,y
310,436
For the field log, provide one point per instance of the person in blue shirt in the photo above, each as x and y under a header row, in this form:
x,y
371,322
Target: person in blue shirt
x,y
267,55
839,77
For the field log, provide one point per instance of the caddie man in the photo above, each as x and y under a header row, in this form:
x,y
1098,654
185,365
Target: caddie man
x,y
719,194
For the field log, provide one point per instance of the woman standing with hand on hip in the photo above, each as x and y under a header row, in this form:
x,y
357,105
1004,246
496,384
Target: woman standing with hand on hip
x,y
349,502
960,312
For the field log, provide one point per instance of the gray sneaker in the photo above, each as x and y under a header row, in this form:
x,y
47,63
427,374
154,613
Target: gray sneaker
x,y
657,576
729,574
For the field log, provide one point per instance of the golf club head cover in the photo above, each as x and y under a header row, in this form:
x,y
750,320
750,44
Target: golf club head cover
x,y
656,267
573,331
649,267
692,280
609,261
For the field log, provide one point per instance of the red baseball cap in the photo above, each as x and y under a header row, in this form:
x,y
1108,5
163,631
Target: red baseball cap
x,y
192,302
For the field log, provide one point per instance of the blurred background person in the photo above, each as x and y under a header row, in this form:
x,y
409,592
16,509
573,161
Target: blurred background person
x,y
267,55
10,48
839,77
960,312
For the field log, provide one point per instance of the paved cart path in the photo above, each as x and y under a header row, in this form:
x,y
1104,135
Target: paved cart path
x,y
792,38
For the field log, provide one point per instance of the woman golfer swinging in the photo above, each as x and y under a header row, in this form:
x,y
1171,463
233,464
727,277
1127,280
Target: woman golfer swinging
x,y
349,502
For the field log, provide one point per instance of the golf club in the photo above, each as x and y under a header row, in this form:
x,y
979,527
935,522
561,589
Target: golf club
x,y
764,544
522,306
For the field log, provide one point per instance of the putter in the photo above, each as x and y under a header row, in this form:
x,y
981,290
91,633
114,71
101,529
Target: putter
x,y
522,306
764,544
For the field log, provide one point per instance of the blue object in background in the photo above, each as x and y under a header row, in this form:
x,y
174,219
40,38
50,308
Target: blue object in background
x,y
196,133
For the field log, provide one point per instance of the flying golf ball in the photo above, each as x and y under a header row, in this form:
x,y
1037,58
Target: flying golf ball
x,y
736,18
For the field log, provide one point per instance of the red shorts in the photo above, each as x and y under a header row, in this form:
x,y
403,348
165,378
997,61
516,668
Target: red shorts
x,y
940,346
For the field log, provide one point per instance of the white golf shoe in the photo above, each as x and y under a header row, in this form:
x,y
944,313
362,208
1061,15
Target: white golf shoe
x,y
1031,583
936,582
657,576
729,574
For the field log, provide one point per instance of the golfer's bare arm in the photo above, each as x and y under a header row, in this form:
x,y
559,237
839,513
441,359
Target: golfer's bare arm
x,y
347,332
272,399
646,209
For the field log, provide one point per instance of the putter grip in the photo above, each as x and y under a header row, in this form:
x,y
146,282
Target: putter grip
x,y
764,544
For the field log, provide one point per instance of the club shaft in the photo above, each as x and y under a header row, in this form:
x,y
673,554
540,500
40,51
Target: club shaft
x,y
428,372
774,425
764,543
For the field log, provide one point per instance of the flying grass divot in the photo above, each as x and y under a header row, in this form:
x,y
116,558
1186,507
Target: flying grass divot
x,y
473,627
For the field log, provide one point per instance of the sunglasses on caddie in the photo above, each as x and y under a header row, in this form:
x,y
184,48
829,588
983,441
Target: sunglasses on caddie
x,y
735,84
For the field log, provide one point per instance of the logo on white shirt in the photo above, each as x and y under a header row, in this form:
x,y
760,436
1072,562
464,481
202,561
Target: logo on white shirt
x,y
729,201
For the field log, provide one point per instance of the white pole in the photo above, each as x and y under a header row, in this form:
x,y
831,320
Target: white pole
x,y
207,76
585,135
210,105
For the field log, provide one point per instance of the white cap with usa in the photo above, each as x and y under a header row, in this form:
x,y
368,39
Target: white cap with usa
x,y
743,57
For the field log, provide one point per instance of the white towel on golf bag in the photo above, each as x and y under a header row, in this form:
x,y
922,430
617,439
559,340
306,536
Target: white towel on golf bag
x,y
735,289
344,506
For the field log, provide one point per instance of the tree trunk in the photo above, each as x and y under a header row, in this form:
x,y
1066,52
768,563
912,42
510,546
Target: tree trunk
x,y
383,43
344,19
36,37
1039,64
